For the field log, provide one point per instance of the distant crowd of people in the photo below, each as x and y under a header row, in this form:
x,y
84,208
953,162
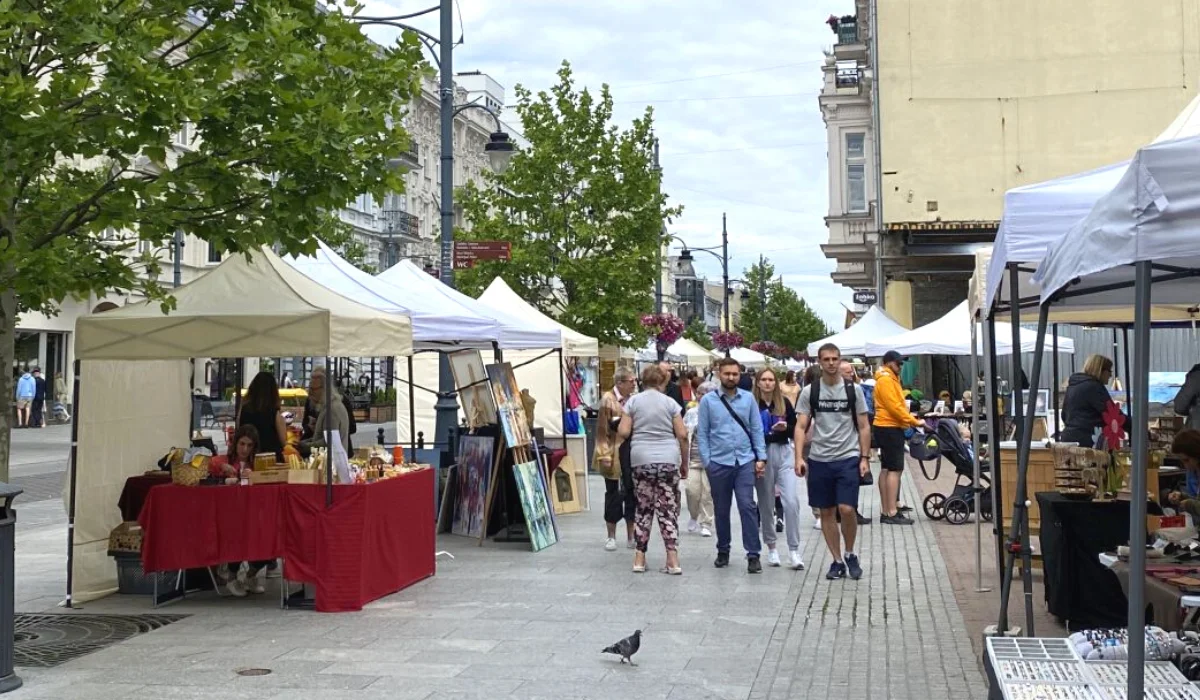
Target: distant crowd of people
x,y
749,439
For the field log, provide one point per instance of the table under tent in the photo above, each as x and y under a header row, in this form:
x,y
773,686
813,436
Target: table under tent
x,y
134,368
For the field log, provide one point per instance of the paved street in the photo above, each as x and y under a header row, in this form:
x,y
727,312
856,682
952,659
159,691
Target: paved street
x,y
499,621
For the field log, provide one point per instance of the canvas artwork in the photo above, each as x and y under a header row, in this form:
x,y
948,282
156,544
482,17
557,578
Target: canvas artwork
x,y
509,405
473,477
534,503
474,392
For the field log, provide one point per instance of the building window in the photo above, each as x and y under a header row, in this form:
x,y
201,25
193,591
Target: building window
x,y
856,172
214,253
184,136
145,246
856,188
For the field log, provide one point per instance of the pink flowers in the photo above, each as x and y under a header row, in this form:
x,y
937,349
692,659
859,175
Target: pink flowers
x,y
727,340
665,328
1113,428
768,348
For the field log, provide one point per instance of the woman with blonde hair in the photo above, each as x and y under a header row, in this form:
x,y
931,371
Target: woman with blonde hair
x,y
653,424
1086,400
778,423
790,387
698,490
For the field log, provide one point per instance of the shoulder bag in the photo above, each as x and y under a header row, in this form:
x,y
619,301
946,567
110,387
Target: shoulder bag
x,y
736,417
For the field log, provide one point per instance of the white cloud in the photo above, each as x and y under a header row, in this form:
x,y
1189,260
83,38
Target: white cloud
x,y
757,154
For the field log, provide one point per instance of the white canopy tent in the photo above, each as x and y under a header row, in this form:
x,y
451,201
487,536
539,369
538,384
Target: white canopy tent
x,y
1136,248
439,322
875,323
682,351
135,373
751,359
951,335
1038,215
650,354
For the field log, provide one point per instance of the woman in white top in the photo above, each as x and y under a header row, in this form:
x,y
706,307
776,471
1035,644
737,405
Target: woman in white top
x,y
658,444
699,493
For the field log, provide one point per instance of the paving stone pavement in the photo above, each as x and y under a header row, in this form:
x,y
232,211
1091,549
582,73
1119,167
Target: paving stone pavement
x,y
498,621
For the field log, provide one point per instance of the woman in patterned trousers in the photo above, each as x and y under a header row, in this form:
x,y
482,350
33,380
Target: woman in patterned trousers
x,y
658,448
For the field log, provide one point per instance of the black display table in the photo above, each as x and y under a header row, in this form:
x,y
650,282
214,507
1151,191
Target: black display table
x,y
1079,589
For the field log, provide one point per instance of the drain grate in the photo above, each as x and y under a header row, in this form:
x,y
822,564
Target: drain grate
x,y
49,640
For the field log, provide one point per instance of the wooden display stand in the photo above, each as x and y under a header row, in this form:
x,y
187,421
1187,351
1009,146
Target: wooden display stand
x,y
1040,477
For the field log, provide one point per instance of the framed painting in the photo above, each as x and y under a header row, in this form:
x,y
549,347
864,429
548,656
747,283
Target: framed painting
x,y
472,477
535,505
509,406
474,392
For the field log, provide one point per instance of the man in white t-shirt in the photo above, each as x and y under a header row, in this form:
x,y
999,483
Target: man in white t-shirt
x,y
838,458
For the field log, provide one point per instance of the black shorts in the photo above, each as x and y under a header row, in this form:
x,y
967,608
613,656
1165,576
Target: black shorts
x,y
891,448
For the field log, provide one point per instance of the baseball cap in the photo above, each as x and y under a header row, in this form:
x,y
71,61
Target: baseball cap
x,y
893,356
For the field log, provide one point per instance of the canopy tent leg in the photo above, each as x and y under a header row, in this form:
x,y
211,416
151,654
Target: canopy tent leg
x,y
328,432
562,396
412,412
1140,403
1128,367
238,367
995,425
1116,355
1054,383
975,454
71,496
1019,511
1021,525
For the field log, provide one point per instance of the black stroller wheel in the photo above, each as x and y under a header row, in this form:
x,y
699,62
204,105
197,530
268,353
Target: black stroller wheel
x,y
957,511
934,506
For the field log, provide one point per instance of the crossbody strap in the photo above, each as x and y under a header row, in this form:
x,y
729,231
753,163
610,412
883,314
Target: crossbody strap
x,y
736,417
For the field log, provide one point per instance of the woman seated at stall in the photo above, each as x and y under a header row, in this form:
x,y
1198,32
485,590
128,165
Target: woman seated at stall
x,y
240,581
1086,400
260,408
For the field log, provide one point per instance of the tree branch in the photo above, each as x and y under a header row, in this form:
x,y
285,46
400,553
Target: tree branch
x,y
58,228
186,40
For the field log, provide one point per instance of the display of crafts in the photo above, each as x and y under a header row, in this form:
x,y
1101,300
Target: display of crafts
x,y
377,465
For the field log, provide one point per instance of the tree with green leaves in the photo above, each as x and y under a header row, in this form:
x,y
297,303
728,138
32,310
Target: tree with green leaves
x,y
583,209
242,123
791,322
698,333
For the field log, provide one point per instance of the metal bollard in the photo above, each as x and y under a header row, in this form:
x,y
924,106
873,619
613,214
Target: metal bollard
x,y
8,536
379,437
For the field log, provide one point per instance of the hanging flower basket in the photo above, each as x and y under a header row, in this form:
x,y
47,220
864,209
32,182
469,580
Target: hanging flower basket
x,y
665,328
725,341
767,348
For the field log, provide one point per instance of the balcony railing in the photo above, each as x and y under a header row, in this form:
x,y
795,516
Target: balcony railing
x,y
848,77
401,223
847,32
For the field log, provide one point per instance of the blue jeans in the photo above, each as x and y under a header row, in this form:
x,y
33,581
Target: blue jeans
x,y
727,482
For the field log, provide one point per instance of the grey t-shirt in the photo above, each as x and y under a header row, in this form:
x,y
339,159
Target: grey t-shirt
x,y
653,440
835,434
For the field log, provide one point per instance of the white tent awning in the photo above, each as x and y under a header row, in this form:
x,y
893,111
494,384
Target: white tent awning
x,y
951,335
1151,215
499,295
515,332
245,307
438,322
751,359
1036,216
875,323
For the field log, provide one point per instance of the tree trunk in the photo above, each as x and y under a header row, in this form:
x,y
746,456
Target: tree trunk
x,y
8,340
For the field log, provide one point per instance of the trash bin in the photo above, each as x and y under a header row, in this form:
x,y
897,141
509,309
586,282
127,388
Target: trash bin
x,y
8,535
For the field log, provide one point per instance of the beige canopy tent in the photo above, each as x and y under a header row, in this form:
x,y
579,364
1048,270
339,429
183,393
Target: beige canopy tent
x,y
131,412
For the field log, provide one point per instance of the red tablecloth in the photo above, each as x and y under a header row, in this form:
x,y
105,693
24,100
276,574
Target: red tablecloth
x,y
133,495
375,540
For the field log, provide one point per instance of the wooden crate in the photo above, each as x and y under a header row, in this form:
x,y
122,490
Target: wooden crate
x,y
1039,478
269,476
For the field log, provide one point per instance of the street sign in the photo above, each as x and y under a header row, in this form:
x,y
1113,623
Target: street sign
x,y
467,252
866,297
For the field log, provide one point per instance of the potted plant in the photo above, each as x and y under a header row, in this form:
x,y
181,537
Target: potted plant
x,y
383,405
665,328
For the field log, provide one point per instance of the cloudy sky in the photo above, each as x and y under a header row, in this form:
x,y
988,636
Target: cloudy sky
x,y
734,89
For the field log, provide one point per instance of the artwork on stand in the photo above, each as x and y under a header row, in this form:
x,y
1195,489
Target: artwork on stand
x,y
474,393
509,405
473,475
535,505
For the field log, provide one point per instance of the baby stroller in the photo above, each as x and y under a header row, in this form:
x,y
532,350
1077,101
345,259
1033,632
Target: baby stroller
x,y
945,441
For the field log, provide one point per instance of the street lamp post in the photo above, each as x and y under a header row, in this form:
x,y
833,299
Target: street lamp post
x,y
723,256
499,150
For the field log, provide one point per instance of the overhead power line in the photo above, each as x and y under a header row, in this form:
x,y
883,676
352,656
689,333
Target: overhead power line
x,y
720,75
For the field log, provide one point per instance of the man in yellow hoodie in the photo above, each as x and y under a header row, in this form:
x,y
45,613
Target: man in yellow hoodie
x,y
891,420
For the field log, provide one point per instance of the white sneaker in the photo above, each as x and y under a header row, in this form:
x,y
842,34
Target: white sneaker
x,y
255,586
773,557
236,589
797,560
705,532
610,545
693,525
817,524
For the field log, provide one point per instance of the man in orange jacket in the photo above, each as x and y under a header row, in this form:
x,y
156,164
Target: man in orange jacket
x,y
891,420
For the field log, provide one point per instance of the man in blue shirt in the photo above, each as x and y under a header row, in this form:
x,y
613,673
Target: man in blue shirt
x,y
733,451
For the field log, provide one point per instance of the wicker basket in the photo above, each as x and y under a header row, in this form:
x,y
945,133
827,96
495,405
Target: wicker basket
x,y
189,474
126,537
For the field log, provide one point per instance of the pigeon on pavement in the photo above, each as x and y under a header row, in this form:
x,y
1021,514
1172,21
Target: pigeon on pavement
x,y
627,647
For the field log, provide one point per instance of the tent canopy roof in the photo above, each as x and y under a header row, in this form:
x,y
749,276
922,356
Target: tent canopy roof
x,y
439,322
512,331
752,359
951,335
248,306
875,323
1037,215
1151,215
499,295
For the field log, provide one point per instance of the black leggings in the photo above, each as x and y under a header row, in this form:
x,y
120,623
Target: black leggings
x,y
620,501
